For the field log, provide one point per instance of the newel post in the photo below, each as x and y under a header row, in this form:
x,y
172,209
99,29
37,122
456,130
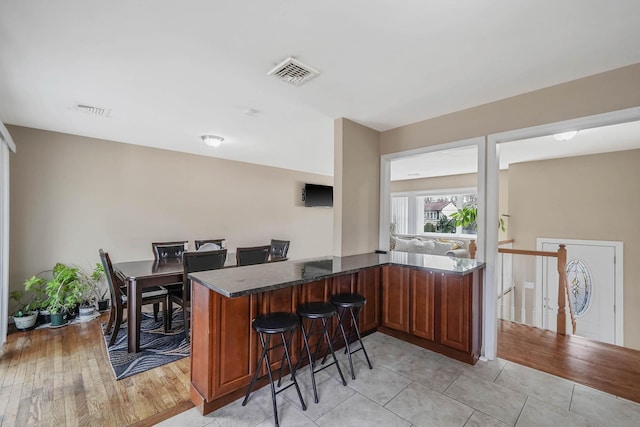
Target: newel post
x,y
562,284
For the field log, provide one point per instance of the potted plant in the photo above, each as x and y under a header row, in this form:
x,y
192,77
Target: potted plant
x,y
467,216
65,292
91,291
24,317
37,286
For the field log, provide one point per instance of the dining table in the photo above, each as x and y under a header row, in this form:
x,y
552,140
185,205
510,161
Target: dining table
x,y
139,275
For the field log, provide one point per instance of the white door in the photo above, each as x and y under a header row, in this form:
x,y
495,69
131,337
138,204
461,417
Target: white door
x,y
594,280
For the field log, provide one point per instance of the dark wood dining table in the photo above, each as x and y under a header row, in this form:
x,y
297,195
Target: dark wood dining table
x,y
139,275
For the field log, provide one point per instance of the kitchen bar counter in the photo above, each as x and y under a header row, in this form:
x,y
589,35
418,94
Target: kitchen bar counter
x,y
432,301
234,282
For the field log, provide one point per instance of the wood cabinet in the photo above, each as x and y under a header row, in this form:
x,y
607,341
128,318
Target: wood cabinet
x,y
455,292
422,310
369,286
395,298
438,311
435,310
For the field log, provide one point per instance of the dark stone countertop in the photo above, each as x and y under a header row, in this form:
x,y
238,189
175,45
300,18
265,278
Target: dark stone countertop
x,y
240,281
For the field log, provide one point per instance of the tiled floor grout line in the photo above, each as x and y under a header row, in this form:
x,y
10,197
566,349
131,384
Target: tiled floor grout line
x,y
521,409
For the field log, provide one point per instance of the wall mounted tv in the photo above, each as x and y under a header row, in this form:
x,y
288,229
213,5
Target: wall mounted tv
x,y
318,195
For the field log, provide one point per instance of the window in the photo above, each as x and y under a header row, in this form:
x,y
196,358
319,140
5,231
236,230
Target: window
x,y
431,211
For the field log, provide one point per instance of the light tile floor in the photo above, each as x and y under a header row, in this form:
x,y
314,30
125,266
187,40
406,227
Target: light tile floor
x,y
411,386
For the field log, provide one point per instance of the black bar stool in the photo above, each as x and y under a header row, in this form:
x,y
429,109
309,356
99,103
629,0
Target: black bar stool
x,y
351,303
315,311
267,325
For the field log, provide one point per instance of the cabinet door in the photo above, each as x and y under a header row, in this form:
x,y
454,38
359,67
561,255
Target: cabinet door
x,y
237,342
369,287
423,304
395,297
455,311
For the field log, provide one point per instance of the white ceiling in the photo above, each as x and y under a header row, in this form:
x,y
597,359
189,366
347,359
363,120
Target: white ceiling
x,y
604,139
170,71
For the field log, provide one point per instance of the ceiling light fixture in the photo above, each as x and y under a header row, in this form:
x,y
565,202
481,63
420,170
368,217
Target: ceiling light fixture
x,y
212,140
565,136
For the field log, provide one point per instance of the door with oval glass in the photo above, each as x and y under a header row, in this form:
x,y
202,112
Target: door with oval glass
x,y
594,280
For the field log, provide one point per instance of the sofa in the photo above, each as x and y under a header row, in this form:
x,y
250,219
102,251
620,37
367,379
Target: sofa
x,y
431,245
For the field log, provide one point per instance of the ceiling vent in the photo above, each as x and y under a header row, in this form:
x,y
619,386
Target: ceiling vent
x,y
293,72
94,111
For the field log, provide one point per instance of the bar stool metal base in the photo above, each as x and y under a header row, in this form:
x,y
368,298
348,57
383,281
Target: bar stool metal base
x,y
351,303
266,325
315,311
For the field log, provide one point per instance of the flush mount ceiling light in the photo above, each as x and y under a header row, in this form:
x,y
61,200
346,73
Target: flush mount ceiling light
x,y
565,136
212,140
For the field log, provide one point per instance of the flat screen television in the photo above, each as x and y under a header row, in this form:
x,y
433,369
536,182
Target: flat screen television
x,y
318,195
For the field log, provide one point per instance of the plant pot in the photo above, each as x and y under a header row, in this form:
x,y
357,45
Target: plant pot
x,y
26,322
73,312
103,305
87,312
58,319
44,317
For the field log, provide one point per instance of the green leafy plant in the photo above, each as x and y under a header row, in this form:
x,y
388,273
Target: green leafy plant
x,y
429,227
37,285
468,215
91,285
23,309
65,289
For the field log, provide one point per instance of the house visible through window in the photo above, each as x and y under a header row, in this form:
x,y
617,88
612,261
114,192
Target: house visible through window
x,y
431,212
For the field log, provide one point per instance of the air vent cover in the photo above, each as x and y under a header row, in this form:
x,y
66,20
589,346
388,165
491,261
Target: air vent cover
x,y
293,72
95,111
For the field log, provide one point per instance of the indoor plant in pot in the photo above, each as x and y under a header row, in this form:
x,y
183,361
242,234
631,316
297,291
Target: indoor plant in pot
x,y
92,292
37,285
24,317
65,292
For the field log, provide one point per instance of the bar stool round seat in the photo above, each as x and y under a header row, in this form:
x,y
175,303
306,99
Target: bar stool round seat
x,y
314,311
348,300
275,323
351,303
268,325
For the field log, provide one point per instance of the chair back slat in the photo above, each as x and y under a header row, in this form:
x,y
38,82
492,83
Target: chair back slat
x,y
279,248
193,262
163,250
112,279
202,242
252,255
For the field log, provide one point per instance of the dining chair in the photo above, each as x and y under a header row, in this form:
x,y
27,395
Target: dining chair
x,y
279,248
154,295
252,255
193,262
162,250
218,242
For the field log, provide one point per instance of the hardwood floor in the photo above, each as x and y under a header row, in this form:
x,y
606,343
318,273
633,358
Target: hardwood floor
x,y
63,377
605,367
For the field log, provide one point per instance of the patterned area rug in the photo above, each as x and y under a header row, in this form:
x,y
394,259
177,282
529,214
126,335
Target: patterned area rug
x,y
156,346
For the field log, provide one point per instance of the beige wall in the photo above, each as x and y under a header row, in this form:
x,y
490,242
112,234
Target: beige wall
x,y
357,184
436,183
614,90
72,195
588,197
